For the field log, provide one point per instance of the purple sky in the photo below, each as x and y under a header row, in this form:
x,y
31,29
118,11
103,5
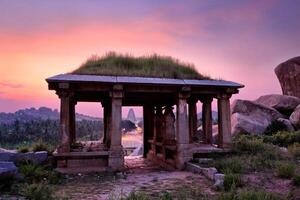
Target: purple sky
x,y
242,41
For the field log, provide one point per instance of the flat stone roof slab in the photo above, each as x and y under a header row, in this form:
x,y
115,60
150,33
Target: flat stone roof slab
x,y
140,80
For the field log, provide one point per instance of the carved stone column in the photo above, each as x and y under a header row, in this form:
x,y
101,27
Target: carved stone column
x,y
169,121
106,120
148,117
192,119
72,121
65,121
207,120
182,130
159,124
116,157
224,121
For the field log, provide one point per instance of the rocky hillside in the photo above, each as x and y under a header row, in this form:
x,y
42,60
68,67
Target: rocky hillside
x,y
33,114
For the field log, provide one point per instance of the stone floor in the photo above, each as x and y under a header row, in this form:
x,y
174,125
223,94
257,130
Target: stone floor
x,y
140,175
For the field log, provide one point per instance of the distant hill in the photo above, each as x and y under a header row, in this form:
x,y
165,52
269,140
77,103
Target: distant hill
x,y
213,113
42,113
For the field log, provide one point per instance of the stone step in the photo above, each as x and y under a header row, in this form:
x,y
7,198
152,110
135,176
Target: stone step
x,y
203,161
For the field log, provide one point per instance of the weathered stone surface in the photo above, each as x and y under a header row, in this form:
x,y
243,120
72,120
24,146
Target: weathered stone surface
x,y
283,103
219,181
287,123
288,74
295,118
7,169
251,118
209,172
34,157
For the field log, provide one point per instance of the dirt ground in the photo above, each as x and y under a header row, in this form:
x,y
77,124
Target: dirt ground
x,y
141,176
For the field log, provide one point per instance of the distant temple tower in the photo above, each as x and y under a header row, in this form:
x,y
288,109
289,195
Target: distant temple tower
x,y
131,116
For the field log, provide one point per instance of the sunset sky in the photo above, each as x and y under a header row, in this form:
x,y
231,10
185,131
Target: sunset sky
x,y
242,41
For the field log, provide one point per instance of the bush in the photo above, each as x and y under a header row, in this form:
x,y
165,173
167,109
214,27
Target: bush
x,y
232,181
137,196
165,196
294,150
23,149
41,146
296,180
275,127
283,138
248,144
230,165
32,173
286,170
249,195
36,192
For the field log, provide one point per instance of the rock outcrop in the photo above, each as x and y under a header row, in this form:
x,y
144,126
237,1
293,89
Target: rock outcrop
x,y
288,74
283,103
295,118
251,118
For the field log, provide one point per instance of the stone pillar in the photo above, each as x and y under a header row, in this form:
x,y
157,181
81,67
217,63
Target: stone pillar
x,y
207,120
65,124
224,121
148,118
182,131
169,126
159,124
116,157
106,119
72,122
192,119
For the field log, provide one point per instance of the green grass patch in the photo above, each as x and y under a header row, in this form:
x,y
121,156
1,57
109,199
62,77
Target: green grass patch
x,y
285,170
114,64
296,180
294,150
283,138
249,195
230,165
232,181
37,192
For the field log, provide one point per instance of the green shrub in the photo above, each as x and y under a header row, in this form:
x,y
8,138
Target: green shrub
x,y
275,127
232,181
137,196
257,195
32,173
165,196
23,149
41,146
248,144
294,150
259,162
296,180
249,195
37,192
283,138
230,165
286,170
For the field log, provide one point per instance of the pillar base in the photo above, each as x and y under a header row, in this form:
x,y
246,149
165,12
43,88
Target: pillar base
x,y
183,155
116,159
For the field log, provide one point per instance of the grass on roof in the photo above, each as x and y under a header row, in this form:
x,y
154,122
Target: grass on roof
x,y
113,64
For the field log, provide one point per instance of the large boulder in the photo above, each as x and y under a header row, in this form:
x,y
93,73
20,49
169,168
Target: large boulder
x,y
288,74
295,118
283,103
251,118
